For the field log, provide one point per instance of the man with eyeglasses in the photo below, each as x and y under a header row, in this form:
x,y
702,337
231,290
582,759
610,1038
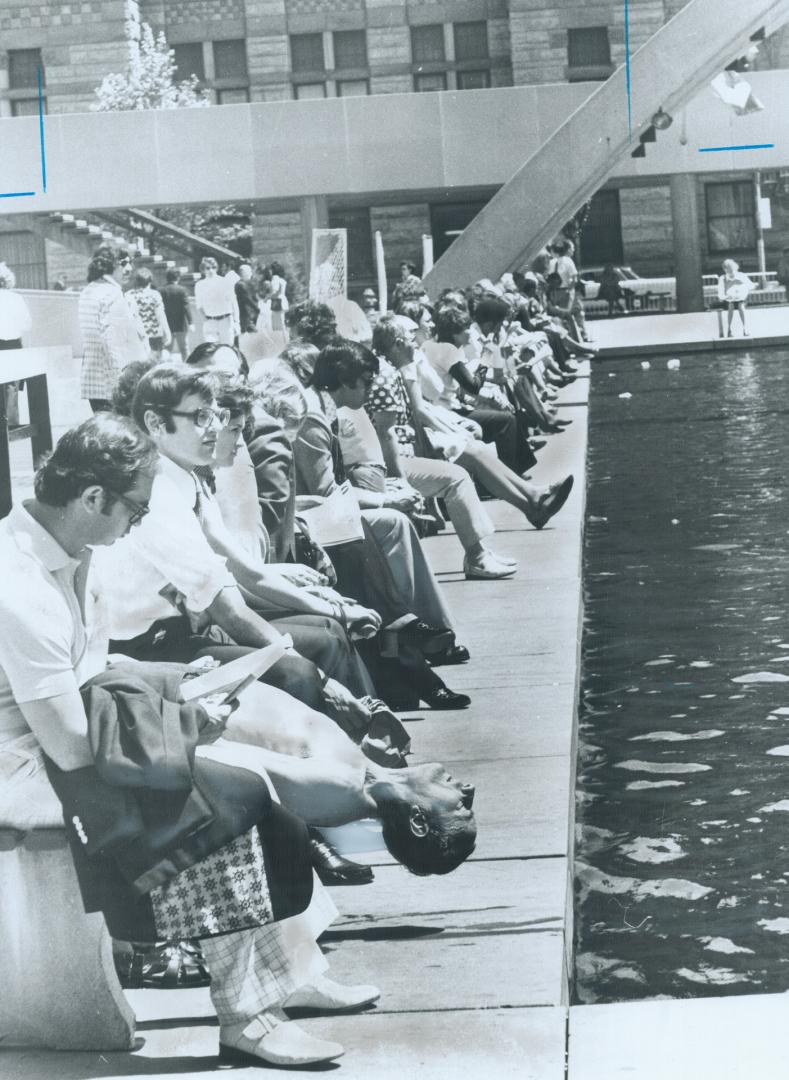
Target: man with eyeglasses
x,y
169,596
112,331
96,485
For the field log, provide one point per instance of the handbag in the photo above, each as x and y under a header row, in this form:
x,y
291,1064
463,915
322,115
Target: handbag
x,y
276,303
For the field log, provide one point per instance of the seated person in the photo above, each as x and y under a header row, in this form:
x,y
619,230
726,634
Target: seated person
x,y
319,774
92,490
537,506
167,569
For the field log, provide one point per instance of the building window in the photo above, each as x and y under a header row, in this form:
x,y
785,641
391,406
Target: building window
x,y
427,44
731,212
352,87
350,49
232,97
588,53
231,78
427,83
23,65
600,241
473,80
471,41
23,68
189,61
230,60
307,91
26,106
448,220
361,263
306,53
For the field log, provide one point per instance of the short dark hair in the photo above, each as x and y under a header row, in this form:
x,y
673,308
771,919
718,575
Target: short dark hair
x,y
105,259
438,852
142,277
450,321
277,268
164,387
233,392
343,363
106,449
312,322
206,349
172,276
411,266
126,386
299,357
491,309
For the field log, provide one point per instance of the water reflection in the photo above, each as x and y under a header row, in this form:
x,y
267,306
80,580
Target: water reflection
x,y
683,777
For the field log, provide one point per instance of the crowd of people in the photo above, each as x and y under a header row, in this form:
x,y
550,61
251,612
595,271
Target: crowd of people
x,y
211,508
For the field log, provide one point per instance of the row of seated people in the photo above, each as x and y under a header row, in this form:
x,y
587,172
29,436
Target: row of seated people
x,y
163,538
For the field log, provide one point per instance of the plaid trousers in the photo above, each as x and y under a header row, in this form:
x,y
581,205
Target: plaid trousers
x,y
257,970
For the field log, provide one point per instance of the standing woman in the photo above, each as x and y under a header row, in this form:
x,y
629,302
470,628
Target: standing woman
x,y
15,322
279,300
733,290
112,332
149,305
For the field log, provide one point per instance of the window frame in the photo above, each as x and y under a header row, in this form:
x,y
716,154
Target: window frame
x,y
339,65
748,217
428,60
599,67
303,73
197,47
472,57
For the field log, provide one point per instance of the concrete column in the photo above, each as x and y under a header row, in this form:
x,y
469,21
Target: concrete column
x,y
687,249
314,215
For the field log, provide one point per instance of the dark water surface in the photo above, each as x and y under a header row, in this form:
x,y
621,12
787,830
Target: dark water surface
x,y
682,857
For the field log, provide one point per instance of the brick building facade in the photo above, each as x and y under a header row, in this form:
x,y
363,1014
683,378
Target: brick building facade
x,y
274,50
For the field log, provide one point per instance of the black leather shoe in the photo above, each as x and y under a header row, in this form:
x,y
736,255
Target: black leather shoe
x,y
332,868
444,698
455,654
428,639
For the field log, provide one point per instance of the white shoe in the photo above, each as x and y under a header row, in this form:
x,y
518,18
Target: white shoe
x,y
325,995
286,1044
486,567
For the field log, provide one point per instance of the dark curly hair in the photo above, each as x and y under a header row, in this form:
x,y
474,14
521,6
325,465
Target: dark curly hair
x,y
312,322
104,261
108,450
440,851
164,387
202,354
342,363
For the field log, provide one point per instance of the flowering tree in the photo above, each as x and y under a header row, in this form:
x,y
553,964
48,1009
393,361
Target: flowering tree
x,y
150,80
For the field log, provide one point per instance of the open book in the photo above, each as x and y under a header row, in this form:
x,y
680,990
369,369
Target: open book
x,y
230,679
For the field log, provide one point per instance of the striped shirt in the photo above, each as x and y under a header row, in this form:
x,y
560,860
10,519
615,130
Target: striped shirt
x,y
112,335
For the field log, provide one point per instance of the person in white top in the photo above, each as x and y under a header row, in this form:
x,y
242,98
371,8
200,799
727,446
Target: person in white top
x,y
215,299
93,489
734,288
15,322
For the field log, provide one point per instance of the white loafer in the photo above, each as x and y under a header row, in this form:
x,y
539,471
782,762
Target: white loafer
x,y
286,1044
325,995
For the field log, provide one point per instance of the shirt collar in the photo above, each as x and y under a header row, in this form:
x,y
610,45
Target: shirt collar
x,y
36,541
184,480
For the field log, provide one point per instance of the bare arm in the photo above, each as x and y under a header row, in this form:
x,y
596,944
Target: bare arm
x,y
245,626
384,423
61,726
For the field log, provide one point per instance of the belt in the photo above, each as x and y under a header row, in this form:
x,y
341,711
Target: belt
x,y
225,316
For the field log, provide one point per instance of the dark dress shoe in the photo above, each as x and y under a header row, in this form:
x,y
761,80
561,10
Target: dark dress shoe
x,y
550,503
455,654
428,639
332,868
444,698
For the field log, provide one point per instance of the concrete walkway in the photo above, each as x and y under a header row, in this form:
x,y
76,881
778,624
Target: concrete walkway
x,y
644,335
472,966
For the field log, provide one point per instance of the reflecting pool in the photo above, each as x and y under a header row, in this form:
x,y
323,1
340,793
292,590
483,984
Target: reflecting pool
x,y
682,847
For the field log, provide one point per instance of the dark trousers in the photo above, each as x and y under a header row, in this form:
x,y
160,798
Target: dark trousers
x,y
502,428
173,640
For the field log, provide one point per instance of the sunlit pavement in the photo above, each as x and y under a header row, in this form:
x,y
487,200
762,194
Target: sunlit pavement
x,y
661,334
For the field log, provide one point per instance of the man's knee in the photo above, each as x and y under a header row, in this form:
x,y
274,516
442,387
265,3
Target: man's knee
x,y
298,677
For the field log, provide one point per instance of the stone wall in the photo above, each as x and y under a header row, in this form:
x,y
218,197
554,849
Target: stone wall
x,y
401,228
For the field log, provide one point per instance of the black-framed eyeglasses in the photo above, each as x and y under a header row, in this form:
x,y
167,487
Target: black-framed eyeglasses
x,y
204,417
138,510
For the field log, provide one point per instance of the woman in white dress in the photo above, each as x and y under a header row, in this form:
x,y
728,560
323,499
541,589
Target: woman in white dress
x,y
734,288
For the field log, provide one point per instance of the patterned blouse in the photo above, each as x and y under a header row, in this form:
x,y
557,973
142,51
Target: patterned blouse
x,y
388,394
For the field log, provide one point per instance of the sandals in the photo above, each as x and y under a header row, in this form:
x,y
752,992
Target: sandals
x,y
162,965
